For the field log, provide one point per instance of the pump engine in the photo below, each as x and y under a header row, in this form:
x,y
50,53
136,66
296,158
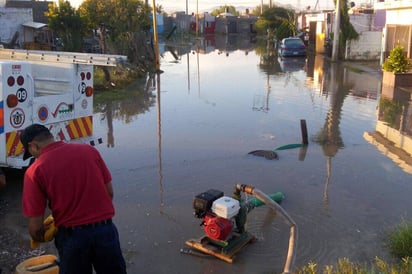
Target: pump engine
x,y
218,214
224,221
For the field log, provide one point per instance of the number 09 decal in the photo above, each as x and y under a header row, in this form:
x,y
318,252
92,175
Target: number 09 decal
x,y
21,95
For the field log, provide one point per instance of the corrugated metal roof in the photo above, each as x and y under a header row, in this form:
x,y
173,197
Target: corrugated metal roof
x,y
34,25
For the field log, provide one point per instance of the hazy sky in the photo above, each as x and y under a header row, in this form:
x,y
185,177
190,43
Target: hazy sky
x,y
207,5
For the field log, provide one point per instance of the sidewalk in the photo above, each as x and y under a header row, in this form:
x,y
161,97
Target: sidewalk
x,y
369,67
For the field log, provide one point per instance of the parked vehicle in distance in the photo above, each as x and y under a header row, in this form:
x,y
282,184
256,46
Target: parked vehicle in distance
x,y
292,46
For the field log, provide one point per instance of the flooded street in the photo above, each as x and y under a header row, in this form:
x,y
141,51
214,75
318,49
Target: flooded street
x,y
191,131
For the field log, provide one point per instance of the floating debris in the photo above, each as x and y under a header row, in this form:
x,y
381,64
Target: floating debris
x,y
268,154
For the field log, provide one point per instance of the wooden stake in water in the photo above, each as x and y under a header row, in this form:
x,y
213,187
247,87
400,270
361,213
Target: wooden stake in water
x,y
304,131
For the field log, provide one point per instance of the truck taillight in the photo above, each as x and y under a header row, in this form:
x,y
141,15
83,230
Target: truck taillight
x,y
20,80
12,100
89,91
88,76
10,81
82,76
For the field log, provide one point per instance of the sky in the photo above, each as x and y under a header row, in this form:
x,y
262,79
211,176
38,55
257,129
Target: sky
x,y
208,5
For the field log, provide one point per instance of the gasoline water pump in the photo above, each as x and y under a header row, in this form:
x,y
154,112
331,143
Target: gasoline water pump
x,y
223,220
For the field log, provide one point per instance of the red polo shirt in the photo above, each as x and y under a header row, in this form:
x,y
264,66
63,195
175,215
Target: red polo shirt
x,y
71,178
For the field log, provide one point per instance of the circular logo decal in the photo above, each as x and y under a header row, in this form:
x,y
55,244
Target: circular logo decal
x,y
17,118
84,104
43,113
21,95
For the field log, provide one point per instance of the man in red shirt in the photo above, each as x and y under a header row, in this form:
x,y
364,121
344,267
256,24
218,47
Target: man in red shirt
x,y
75,183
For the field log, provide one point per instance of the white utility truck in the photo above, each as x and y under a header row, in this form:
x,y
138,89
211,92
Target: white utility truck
x,y
51,88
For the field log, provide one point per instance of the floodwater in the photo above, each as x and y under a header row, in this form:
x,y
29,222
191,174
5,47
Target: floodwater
x,y
191,128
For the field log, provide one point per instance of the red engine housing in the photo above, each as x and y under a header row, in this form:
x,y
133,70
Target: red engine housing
x,y
217,228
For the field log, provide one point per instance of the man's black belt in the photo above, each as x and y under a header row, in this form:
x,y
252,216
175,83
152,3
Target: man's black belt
x,y
86,226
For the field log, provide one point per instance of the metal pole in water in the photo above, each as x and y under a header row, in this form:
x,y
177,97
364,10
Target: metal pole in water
x,y
155,37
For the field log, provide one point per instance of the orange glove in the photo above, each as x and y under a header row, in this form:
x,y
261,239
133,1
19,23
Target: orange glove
x,y
50,231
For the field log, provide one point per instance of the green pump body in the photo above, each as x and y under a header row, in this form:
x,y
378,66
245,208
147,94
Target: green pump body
x,y
247,206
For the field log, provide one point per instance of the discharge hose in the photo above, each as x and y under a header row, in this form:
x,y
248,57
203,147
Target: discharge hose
x,y
292,225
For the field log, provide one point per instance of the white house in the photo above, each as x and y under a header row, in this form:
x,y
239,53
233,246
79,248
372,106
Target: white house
x,y
398,29
23,22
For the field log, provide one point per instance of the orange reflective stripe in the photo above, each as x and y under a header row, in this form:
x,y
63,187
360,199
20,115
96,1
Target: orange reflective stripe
x,y
80,127
13,144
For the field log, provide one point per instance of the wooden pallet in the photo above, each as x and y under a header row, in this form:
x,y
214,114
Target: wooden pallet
x,y
225,251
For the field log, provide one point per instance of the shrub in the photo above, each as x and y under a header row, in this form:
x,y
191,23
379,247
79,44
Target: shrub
x,y
400,240
345,266
397,62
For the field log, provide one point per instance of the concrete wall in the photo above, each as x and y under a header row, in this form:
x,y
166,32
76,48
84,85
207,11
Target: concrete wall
x,y
367,47
362,22
181,20
369,44
38,7
226,25
234,25
10,22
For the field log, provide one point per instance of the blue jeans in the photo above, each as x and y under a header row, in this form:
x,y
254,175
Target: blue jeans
x,y
82,249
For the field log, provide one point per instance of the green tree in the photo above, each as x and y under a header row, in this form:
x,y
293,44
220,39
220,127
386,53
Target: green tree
x,y
259,9
286,29
120,18
347,29
225,8
124,28
67,24
278,20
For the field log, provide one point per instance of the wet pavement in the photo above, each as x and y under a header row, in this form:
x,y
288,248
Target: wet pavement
x,y
191,131
14,238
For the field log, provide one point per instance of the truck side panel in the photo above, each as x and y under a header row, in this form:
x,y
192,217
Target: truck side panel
x,y
17,95
57,95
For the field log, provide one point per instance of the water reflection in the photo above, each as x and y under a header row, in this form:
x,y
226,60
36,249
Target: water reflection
x,y
331,80
159,140
202,139
393,134
290,64
222,44
329,136
136,99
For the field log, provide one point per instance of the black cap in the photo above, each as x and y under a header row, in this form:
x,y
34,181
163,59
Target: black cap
x,y
28,134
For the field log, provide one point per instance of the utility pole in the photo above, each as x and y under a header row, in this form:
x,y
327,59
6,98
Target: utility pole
x,y
261,7
156,38
335,45
197,18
